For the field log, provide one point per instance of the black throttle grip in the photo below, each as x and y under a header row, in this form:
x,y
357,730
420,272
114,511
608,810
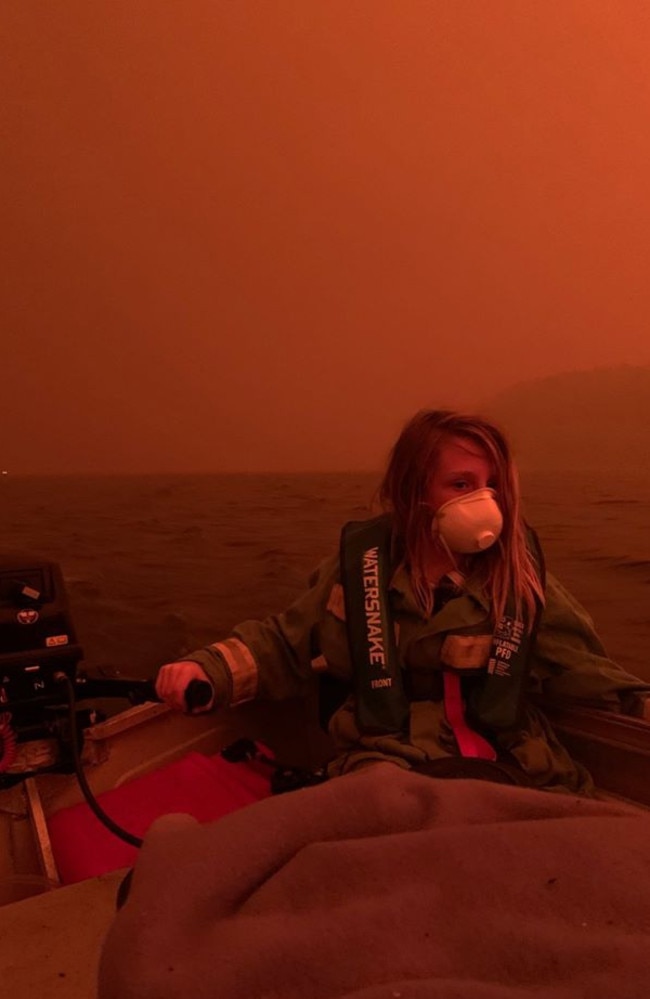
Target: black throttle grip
x,y
198,693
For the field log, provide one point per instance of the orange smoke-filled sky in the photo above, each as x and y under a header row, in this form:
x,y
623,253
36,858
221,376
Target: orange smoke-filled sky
x,y
249,235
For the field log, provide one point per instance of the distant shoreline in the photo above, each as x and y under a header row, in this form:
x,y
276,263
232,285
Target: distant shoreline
x,y
524,469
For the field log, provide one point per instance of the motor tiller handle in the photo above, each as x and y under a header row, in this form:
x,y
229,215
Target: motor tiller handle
x,y
198,693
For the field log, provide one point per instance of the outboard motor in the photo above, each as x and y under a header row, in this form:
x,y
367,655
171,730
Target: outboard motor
x,y
38,642
37,636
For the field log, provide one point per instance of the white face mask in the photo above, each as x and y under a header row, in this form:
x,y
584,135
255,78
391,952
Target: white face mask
x,y
469,523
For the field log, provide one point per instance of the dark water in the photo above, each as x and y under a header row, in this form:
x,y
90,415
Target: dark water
x,y
158,565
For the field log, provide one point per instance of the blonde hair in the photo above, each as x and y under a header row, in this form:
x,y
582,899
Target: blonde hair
x,y
507,566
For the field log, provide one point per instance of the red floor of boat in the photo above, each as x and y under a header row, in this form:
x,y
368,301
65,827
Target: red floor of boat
x,y
207,787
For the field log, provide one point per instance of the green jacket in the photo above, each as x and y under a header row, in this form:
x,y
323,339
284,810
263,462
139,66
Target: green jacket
x,y
272,659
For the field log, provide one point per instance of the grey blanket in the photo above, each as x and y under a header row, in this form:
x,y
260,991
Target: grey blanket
x,y
385,884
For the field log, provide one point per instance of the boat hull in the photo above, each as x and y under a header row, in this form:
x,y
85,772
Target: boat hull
x,y
37,923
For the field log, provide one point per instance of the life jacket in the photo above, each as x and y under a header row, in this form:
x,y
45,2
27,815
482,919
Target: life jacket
x,y
382,704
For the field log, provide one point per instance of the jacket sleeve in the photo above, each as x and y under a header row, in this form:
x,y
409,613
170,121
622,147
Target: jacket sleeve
x,y
569,664
270,659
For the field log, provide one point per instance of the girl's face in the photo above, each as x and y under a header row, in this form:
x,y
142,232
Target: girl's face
x,y
463,466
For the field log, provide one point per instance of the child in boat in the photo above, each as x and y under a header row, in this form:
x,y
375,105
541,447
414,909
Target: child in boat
x,y
459,649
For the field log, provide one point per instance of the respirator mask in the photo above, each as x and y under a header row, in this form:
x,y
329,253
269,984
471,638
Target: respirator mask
x,y
470,523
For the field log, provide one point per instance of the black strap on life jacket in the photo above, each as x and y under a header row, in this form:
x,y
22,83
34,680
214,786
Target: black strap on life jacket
x,y
381,703
382,706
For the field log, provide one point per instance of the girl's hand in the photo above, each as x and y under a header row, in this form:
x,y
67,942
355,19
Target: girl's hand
x,y
172,682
